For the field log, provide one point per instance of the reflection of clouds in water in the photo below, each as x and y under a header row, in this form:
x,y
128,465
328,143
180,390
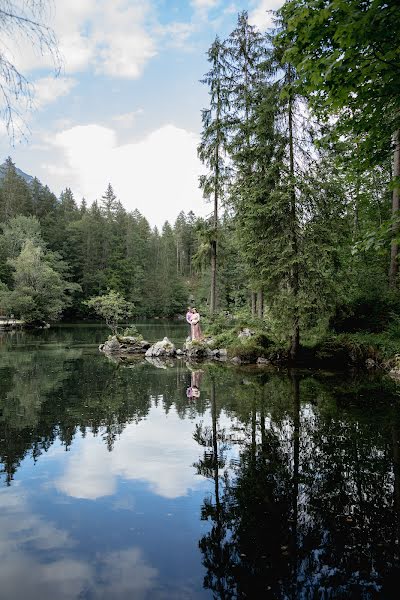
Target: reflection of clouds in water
x,y
159,450
125,574
24,536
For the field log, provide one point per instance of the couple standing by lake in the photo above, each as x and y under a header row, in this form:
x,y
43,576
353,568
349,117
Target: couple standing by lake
x,y
193,318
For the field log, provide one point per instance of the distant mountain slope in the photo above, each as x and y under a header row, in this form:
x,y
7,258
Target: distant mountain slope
x,y
28,178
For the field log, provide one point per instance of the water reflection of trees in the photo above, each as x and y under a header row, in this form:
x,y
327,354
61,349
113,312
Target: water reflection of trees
x,y
306,498
58,392
305,471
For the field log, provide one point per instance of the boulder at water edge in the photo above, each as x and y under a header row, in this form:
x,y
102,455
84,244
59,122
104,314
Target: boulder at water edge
x,y
164,348
124,345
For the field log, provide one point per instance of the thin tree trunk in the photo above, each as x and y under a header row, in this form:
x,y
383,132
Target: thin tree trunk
x,y
294,349
253,304
213,295
394,266
260,303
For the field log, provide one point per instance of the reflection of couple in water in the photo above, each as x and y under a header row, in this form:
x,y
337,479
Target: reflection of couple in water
x,y
194,390
193,318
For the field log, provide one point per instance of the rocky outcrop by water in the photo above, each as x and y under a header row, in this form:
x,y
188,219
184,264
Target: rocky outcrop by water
x,y
200,350
124,345
165,348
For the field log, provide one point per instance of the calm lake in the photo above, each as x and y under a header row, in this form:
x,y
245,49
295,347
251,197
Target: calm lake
x,y
119,482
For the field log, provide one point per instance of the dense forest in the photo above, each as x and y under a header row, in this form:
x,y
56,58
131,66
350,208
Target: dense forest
x,y
301,146
80,251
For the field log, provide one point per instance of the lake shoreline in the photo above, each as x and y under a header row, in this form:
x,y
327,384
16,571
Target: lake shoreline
x,y
334,354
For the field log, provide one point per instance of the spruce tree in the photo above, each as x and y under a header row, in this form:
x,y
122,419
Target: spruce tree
x,y
212,148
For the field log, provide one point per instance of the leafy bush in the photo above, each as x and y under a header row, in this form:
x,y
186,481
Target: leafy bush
x,y
112,307
132,331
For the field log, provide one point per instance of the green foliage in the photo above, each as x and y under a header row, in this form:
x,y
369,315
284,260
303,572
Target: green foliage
x,y
39,292
247,351
112,307
347,57
132,331
297,143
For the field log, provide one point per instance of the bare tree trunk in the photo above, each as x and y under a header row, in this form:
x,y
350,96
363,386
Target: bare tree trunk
x,y
253,304
213,295
260,303
394,266
294,349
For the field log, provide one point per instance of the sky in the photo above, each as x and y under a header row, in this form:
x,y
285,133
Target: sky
x,y
126,106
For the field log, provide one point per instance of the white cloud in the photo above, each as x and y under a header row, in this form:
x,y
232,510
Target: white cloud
x,y
158,175
48,89
123,44
204,4
260,15
176,34
113,37
159,451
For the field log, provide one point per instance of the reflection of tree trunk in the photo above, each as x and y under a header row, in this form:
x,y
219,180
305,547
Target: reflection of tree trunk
x,y
296,458
396,473
218,516
394,266
262,424
253,432
215,445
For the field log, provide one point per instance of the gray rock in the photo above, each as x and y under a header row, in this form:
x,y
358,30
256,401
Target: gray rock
x,y
236,360
128,339
197,350
134,350
163,348
370,363
124,345
395,374
246,333
263,361
111,346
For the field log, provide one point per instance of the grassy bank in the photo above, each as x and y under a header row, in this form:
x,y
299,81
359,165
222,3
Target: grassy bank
x,y
248,340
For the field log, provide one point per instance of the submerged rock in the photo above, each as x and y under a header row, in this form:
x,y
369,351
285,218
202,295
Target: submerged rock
x,y
163,348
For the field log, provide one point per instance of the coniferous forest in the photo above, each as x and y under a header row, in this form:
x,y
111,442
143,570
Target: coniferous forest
x,y
300,143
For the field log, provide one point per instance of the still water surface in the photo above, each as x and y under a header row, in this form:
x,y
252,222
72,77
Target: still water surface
x,y
115,484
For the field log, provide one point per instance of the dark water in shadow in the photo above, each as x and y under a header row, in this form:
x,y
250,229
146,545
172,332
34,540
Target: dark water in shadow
x,y
160,483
